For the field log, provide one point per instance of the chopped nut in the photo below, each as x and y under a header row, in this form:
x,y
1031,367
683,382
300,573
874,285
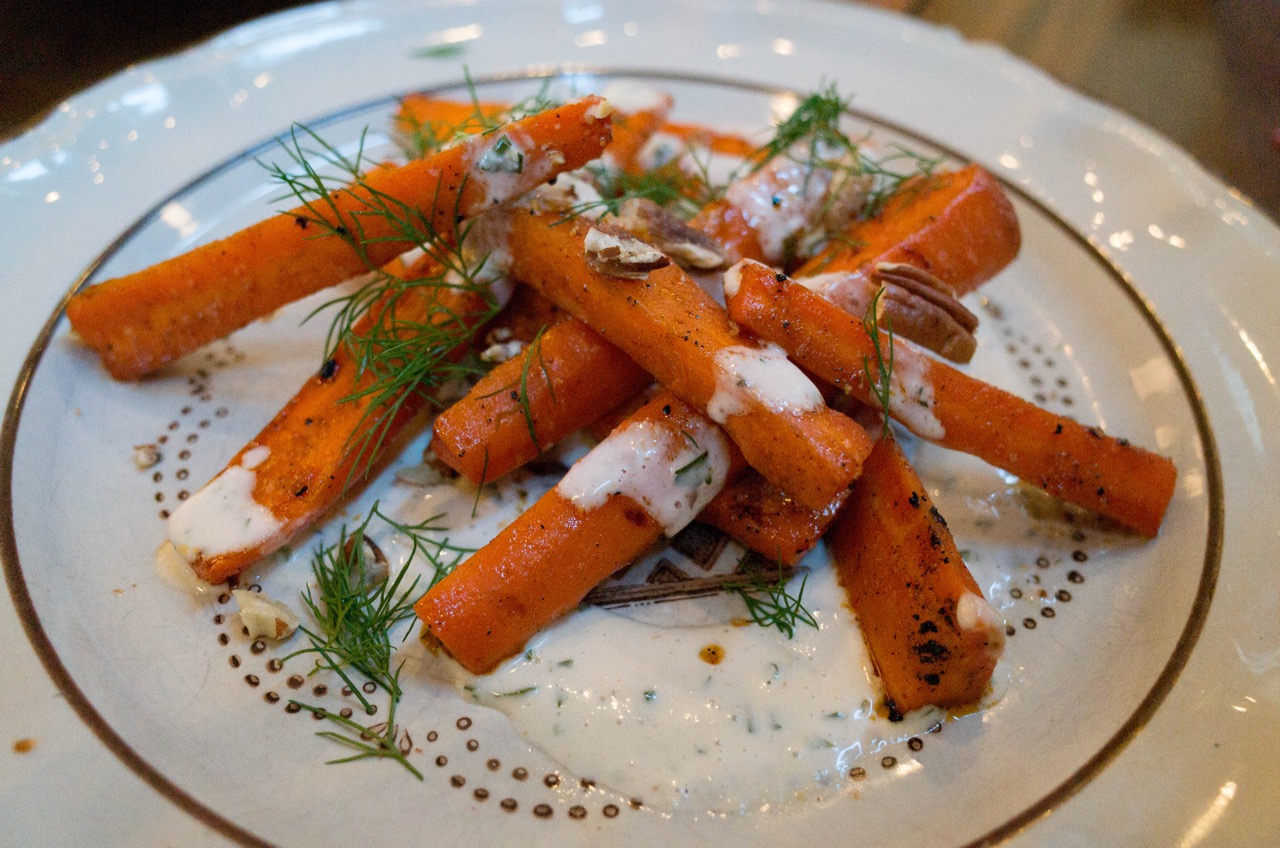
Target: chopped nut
x,y
264,617
617,253
502,351
651,223
146,456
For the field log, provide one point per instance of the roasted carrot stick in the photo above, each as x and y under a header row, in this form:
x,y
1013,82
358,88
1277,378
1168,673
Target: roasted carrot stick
x,y
304,460
651,475
429,122
531,401
1069,460
753,511
140,322
676,332
958,226
932,636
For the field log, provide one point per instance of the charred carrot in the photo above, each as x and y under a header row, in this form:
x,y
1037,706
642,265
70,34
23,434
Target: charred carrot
x,y
140,322
958,226
306,458
676,332
567,376
650,476
1072,461
753,511
932,636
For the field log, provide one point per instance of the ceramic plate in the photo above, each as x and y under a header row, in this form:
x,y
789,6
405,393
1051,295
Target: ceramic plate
x,y
1138,697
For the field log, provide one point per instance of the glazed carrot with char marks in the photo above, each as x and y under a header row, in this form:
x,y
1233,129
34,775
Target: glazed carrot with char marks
x,y
650,476
142,321
307,457
959,226
758,514
566,376
499,421
1069,460
933,638
676,332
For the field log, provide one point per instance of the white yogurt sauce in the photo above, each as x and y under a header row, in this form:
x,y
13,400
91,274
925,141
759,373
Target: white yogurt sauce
x,y
673,475
223,516
779,201
911,395
500,164
636,707
763,374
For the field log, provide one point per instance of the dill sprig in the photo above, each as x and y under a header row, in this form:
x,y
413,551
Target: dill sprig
x,y
667,185
879,378
356,608
405,351
417,137
367,740
768,602
812,136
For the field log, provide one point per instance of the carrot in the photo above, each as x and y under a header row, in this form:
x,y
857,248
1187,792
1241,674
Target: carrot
x,y
610,507
532,401
429,121
1074,462
676,332
763,213
140,322
306,458
762,517
712,139
932,636
958,226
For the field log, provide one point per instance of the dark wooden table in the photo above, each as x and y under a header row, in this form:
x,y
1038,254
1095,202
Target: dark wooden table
x,y
1205,73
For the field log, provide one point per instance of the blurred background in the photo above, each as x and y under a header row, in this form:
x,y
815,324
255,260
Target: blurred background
x,y
1204,73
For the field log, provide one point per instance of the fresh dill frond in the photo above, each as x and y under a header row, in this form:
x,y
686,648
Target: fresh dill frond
x,y
879,378
667,185
532,352
768,602
812,136
356,606
368,741
400,337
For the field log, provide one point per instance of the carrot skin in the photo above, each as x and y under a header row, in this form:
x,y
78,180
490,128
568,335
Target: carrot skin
x,y
674,330
1069,460
142,321
759,515
542,565
958,226
569,375
932,637
311,462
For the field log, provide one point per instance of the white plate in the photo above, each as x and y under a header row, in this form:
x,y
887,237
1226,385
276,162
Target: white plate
x,y
1144,712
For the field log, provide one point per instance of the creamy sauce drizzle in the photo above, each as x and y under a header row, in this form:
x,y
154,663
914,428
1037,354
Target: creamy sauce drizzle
x,y
673,475
911,396
223,516
780,201
760,374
